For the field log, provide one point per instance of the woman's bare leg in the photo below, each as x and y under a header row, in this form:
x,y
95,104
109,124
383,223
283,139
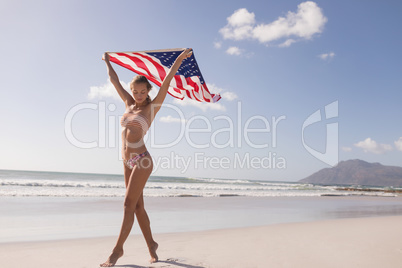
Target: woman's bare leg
x,y
143,220
136,183
145,226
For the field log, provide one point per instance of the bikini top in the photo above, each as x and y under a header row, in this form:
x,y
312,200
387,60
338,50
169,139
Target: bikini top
x,y
135,120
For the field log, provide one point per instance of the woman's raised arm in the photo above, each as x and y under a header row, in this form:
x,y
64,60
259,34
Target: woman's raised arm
x,y
158,100
124,95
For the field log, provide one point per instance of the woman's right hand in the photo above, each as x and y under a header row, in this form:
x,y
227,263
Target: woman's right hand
x,y
105,56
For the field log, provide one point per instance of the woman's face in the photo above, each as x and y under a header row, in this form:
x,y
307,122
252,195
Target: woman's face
x,y
140,92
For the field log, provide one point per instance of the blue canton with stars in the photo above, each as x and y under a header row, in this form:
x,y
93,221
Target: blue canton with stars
x,y
188,68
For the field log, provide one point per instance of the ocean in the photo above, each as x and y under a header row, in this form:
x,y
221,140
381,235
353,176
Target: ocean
x,y
58,184
39,206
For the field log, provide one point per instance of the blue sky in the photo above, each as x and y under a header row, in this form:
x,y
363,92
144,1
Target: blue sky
x,y
275,63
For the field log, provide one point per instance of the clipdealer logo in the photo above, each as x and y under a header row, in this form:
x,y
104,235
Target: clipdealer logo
x,y
239,133
219,132
331,154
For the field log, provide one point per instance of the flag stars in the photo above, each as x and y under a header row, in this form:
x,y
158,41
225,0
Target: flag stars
x,y
188,68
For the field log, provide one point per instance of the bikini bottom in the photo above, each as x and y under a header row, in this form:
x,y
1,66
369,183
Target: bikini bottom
x,y
130,163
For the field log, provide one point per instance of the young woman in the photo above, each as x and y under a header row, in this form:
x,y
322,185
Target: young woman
x,y
140,112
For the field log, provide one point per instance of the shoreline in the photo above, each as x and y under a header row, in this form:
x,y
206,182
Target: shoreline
x,y
357,242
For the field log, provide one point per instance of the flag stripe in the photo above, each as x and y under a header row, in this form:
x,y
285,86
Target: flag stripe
x,y
143,65
159,68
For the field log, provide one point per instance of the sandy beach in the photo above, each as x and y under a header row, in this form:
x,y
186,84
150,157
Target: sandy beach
x,y
216,232
359,242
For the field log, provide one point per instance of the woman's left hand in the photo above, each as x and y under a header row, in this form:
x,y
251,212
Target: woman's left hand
x,y
186,53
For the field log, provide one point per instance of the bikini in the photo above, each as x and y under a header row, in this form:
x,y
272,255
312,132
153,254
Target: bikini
x,y
130,163
135,120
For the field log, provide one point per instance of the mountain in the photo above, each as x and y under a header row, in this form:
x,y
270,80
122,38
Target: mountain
x,y
358,172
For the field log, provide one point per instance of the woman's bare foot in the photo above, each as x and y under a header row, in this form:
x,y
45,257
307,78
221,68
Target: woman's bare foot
x,y
111,261
152,251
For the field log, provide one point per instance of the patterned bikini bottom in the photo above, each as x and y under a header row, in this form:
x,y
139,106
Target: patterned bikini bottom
x,y
130,163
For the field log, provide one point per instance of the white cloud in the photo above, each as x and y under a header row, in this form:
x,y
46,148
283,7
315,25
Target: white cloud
x,y
217,45
327,56
105,91
287,43
226,95
240,25
241,17
346,149
171,119
398,144
304,24
230,96
371,146
234,51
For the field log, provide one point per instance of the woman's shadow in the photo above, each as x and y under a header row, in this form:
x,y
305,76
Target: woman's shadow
x,y
173,262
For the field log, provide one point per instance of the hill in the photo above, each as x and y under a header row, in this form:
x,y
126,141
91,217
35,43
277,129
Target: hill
x,y
357,172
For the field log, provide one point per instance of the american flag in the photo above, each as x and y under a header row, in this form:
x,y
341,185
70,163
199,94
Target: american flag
x,y
155,64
